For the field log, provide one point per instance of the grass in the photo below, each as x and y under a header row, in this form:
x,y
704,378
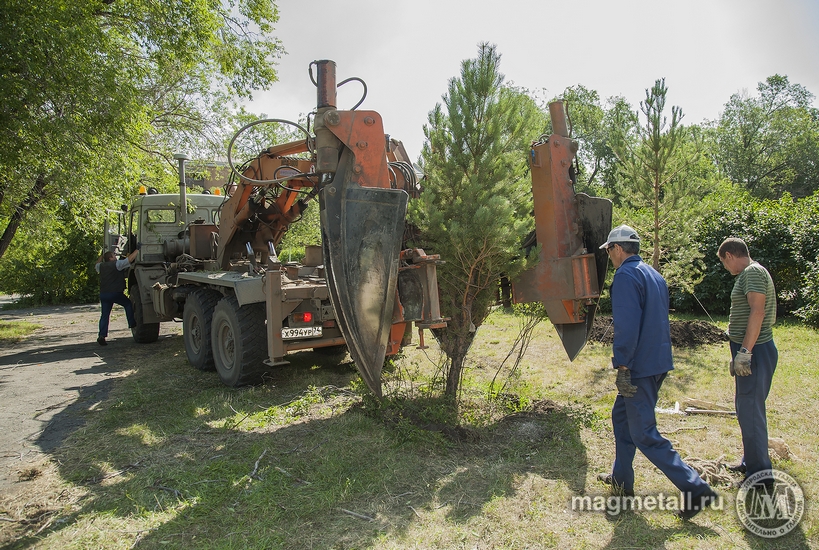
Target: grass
x,y
173,459
14,331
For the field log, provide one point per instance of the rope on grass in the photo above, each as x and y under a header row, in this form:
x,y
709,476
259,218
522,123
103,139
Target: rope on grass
x,y
714,472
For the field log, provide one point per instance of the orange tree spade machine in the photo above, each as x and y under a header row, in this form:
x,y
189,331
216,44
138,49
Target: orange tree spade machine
x,y
568,278
211,261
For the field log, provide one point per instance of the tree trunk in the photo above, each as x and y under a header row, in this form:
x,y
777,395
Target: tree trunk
x,y
456,349
505,292
35,195
655,257
453,378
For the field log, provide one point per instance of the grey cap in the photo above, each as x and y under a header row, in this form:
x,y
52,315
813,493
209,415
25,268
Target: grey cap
x,y
621,234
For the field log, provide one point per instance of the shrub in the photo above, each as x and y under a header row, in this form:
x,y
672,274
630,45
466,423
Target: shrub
x,y
780,236
51,262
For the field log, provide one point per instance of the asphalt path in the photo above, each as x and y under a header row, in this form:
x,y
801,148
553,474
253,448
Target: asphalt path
x,y
52,379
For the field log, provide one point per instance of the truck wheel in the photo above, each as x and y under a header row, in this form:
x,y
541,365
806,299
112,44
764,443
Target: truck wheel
x,y
143,333
196,322
239,341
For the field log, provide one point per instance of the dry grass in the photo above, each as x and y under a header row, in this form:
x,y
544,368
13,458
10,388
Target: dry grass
x,y
175,460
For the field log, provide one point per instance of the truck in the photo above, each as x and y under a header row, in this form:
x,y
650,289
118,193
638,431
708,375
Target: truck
x,y
210,260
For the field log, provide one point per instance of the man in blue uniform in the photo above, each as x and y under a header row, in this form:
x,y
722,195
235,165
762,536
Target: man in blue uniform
x,y
112,290
642,357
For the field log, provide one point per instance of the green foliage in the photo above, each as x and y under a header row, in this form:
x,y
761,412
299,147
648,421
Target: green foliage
x,y
770,228
805,231
592,126
300,234
51,262
135,82
770,143
663,177
809,312
475,207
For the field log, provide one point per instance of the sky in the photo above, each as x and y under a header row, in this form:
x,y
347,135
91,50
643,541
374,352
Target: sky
x,y
407,51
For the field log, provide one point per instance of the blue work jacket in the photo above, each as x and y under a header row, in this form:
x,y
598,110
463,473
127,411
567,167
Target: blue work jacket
x,y
639,304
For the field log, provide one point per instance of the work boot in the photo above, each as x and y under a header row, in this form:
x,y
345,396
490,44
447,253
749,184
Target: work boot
x,y
101,341
608,479
697,504
766,484
736,468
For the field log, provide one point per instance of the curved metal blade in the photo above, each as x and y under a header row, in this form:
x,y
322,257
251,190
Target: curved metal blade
x,y
361,231
575,335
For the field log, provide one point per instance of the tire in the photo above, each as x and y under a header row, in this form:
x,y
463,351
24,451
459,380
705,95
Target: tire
x,y
143,333
239,341
196,322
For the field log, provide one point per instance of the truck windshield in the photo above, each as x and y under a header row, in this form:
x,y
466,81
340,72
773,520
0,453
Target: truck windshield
x,y
164,215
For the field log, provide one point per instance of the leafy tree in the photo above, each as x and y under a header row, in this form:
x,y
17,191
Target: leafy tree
x,y
98,95
51,261
475,209
662,178
770,143
592,126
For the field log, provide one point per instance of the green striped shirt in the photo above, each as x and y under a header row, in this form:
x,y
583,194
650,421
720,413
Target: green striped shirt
x,y
753,278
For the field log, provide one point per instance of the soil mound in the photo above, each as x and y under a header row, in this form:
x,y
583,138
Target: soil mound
x,y
684,334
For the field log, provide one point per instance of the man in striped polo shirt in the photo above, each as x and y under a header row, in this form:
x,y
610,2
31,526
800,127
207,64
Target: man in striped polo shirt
x,y
753,313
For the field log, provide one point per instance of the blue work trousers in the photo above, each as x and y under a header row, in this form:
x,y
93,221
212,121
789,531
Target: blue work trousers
x,y
635,427
751,393
107,300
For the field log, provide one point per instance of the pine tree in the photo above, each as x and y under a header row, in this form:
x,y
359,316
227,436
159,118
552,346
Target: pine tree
x,y
662,180
477,200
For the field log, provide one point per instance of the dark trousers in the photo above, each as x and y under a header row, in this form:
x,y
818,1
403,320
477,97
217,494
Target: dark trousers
x,y
635,427
107,300
751,393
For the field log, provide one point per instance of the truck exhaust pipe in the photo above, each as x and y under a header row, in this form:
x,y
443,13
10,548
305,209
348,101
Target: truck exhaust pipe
x,y
183,197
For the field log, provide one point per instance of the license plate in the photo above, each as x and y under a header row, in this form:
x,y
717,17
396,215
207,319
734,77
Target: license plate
x,y
292,333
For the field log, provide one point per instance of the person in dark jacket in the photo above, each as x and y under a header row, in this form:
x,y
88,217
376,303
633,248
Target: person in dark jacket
x,y
642,358
112,290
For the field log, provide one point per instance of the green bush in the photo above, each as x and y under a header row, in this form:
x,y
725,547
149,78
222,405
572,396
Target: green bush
x,y
806,248
51,262
782,235
809,312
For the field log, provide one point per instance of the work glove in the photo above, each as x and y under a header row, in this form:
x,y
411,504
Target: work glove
x,y
623,383
139,246
742,364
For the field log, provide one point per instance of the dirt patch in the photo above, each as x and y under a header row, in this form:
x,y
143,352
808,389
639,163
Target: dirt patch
x,y
684,334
